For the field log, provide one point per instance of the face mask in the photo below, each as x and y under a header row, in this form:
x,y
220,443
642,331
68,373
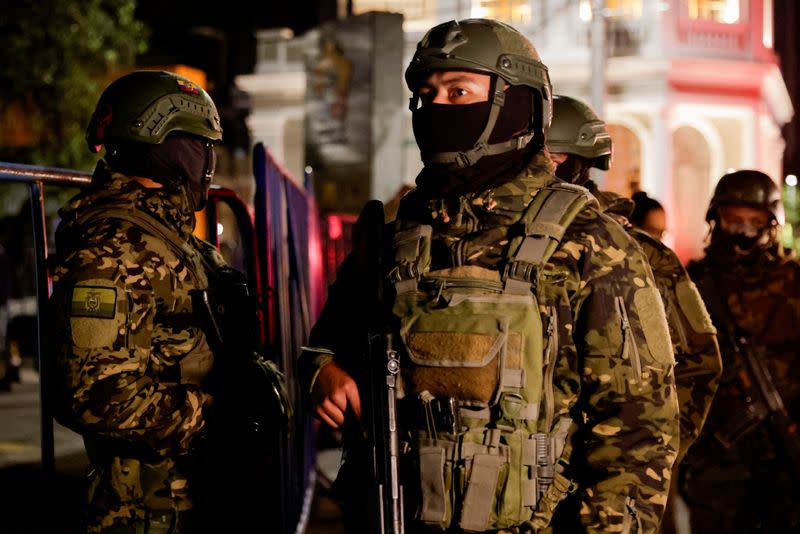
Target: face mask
x,y
448,128
455,128
739,244
573,170
745,235
744,241
199,184
180,161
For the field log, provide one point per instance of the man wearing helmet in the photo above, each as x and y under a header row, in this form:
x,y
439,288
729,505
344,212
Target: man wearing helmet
x,y
131,361
578,140
519,304
737,477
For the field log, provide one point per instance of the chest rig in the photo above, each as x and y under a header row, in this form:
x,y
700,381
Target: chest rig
x,y
476,341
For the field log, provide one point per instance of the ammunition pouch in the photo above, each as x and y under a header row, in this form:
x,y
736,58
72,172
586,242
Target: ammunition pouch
x,y
486,478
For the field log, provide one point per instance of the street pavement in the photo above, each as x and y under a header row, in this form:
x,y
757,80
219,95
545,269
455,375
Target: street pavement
x,y
23,509
22,504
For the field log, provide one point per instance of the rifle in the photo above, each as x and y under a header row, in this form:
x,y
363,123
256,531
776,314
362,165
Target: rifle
x,y
234,469
765,403
250,388
380,368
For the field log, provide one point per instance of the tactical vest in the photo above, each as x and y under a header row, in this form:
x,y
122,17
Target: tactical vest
x,y
478,338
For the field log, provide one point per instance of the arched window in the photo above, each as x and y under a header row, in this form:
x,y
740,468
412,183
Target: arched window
x,y
625,175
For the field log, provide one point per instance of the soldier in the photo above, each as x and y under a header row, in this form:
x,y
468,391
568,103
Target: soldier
x,y
533,337
131,359
648,215
740,475
578,140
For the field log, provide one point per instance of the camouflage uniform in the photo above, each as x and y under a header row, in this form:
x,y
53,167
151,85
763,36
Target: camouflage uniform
x,y
698,363
747,487
619,390
130,359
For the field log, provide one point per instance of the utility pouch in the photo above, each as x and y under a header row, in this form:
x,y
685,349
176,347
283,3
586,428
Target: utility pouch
x,y
466,339
435,504
436,482
478,511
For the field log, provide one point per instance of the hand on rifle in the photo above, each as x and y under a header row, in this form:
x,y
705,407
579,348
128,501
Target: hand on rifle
x,y
334,392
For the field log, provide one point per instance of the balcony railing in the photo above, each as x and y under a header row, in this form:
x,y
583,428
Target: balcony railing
x,y
709,38
624,37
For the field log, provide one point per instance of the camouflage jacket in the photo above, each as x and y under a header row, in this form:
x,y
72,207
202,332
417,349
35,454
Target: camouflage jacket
x,y
763,296
622,396
121,320
698,364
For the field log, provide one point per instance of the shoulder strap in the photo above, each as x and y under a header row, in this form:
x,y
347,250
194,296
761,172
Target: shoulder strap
x,y
546,220
156,228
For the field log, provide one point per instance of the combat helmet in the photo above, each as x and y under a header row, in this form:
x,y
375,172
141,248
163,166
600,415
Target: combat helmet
x,y
747,188
487,47
576,129
146,106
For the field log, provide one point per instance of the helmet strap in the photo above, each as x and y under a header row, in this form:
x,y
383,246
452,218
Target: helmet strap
x,y
482,148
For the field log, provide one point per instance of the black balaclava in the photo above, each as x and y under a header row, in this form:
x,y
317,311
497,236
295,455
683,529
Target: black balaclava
x,y
180,161
574,169
741,239
747,254
452,128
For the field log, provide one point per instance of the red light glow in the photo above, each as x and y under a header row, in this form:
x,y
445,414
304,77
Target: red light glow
x,y
334,227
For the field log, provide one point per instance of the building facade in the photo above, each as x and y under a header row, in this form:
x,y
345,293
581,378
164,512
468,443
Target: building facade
x,y
692,89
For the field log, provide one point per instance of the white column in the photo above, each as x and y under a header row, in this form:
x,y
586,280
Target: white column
x,y
278,105
661,155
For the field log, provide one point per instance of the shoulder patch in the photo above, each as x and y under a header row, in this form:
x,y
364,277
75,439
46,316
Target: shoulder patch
x,y
654,323
693,308
94,301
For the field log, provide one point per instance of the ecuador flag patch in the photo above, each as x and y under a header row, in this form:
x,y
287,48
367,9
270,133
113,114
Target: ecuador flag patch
x,y
93,301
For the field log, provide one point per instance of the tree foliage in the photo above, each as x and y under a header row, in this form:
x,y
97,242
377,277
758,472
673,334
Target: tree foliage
x,y
57,57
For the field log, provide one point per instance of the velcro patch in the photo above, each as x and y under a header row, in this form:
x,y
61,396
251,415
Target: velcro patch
x,y
694,308
94,301
654,324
